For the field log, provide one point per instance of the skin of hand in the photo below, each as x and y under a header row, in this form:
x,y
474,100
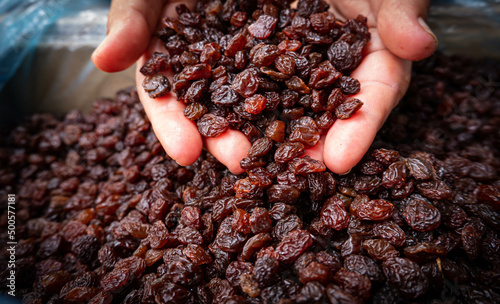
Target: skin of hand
x,y
399,35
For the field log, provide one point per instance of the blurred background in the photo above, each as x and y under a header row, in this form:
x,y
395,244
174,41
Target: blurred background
x,y
45,48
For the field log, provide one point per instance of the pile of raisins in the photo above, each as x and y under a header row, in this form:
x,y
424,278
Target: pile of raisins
x,y
105,216
256,66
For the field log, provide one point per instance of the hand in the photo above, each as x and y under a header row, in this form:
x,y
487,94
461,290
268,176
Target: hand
x,y
131,24
398,34
384,74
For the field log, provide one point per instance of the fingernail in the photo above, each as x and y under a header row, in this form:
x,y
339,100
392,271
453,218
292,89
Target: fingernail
x,y
347,172
426,28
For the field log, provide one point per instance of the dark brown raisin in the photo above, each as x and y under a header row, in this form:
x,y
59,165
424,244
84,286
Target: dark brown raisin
x,y
421,215
348,108
210,125
333,214
263,27
157,63
156,85
246,83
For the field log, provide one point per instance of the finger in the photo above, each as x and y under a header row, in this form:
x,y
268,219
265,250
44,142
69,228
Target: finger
x,y
384,78
403,30
178,135
229,148
316,151
351,9
130,26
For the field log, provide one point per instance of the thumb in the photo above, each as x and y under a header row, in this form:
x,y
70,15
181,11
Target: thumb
x,y
130,26
402,28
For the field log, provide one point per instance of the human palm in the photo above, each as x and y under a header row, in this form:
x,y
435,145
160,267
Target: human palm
x,y
398,34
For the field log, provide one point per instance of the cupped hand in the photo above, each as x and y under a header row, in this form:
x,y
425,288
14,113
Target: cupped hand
x,y
130,38
399,34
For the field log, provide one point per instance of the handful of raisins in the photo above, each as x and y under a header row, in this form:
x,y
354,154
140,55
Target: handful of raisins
x,y
247,67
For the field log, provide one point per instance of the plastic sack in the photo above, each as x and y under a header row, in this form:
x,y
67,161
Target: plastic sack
x,y
56,74
23,24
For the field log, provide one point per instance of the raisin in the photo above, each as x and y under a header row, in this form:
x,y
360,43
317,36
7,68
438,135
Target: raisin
x,y
315,272
305,130
289,151
340,55
156,85
292,245
188,58
425,251
197,254
195,111
241,221
305,165
338,295
363,265
197,71
367,183
225,95
191,216
395,175
255,104
260,147
406,276
333,214
285,64
246,83
263,55
195,91
353,283
391,232
238,19
157,63
380,249
263,26
436,190
325,121
247,188
348,108
228,239
418,168
324,76
421,215
114,280
375,210
237,43
322,22
211,125
172,293
297,84
260,221
282,193
210,54
236,269
158,235
276,131
265,271
348,85
189,235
